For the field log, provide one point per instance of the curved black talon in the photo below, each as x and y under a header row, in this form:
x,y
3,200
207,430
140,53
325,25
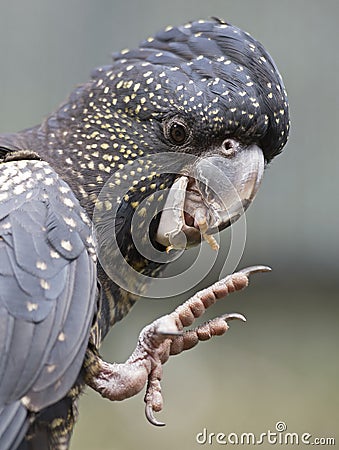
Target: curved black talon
x,y
151,418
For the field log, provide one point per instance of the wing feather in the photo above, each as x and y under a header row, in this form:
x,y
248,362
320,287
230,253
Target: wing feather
x,y
13,425
47,292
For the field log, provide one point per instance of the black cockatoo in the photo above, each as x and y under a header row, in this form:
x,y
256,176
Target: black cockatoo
x,y
157,151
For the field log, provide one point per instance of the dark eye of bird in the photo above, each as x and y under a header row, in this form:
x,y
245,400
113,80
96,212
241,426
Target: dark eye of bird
x,y
178,133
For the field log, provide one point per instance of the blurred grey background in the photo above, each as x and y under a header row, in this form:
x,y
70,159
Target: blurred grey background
x,y
283,363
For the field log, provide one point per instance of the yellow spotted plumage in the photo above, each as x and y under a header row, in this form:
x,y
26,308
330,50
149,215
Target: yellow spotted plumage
x,y
210,77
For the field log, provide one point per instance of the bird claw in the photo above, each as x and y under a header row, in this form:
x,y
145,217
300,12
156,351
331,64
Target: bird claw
x,y
184,316
233,316
254,269
165,337
150,416
217,326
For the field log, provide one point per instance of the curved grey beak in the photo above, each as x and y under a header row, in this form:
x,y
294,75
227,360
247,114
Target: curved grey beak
x,y
210,196
228,185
